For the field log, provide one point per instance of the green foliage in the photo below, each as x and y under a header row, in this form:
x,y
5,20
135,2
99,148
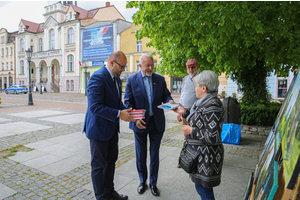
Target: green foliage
x,y
236,37
263,113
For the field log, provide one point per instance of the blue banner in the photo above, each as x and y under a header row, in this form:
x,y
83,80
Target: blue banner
x,y
97,43
97,63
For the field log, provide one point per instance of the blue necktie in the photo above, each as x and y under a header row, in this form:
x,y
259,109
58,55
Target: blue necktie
x,y
148,90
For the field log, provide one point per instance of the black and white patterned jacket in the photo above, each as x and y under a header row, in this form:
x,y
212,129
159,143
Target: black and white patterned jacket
x,y
205,136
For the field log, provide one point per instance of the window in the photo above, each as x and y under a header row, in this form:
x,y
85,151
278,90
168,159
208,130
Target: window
x,y
2,52
282,87
21,45
51,39
70,36
6,51
67,85
155,63
2,41
70,63
22,67
70,15
41,44
11,65
72,85
6,65
139,46
2,66
11,51
137,66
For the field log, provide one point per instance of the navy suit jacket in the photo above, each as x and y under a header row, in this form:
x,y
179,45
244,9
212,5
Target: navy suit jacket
x,y
101,121
136,98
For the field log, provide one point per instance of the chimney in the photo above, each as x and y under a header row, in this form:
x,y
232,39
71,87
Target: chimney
x,y
107,4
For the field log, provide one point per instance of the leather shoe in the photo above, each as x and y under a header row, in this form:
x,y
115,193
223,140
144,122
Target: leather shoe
x,y
142,188
116,196
154,190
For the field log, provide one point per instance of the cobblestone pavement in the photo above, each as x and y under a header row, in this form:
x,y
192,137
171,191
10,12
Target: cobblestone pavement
x,y
31,183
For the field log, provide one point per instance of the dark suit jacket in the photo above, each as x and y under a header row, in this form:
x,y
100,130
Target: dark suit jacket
x,y
136,98
101,119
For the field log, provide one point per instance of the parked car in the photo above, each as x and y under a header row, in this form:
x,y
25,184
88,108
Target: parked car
x,y
16,89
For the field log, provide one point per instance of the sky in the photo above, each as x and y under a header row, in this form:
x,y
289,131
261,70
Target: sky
x,y
11,12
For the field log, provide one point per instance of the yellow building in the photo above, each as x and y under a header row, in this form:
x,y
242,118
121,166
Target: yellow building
x,y
133,50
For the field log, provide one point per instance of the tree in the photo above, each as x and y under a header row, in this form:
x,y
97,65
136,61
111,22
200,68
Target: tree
x,y
247,40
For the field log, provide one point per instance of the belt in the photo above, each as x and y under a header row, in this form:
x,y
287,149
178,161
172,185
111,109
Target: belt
x,y
151,117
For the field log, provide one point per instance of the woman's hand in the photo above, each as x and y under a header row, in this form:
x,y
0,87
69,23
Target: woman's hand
x,y
179,110
187,129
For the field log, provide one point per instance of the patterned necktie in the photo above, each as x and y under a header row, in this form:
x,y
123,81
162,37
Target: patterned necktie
x,y
148,90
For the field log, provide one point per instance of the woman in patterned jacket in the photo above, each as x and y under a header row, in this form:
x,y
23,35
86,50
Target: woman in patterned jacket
x,y
203,132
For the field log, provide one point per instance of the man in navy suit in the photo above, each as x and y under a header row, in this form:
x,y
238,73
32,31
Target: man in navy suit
x,y
146,90
101,124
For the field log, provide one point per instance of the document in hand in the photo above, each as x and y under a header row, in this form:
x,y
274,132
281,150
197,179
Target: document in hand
x,y
137,114
168,106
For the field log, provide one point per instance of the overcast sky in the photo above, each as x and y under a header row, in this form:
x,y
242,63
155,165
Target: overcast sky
x,y
11,12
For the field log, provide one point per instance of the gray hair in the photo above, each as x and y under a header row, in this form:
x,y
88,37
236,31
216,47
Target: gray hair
x,y
145,55
209,79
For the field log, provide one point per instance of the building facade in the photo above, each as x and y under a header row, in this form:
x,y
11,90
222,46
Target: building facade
x,y
7,59
56,46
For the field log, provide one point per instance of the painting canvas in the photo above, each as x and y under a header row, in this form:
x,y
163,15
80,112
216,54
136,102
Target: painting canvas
x,y
289,133
265,178
248,188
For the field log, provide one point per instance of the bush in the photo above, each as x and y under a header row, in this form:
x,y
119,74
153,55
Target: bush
x,y
262,114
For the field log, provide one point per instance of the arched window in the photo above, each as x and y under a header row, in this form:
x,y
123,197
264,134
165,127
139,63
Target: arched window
x,y
70,59
21,45
41,44
70,36
22,67
51,39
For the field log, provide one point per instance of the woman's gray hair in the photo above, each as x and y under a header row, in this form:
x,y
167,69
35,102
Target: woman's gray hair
x,y
209,79
145,55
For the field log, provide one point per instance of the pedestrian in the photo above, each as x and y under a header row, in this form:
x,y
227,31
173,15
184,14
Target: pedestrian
x,y
146,90
188,94
101,124
203,133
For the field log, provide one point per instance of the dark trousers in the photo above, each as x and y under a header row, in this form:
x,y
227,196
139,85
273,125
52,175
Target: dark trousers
x,y
141,153
104,155
205,193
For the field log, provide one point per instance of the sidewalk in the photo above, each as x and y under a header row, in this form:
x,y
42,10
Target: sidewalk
x,y
53,162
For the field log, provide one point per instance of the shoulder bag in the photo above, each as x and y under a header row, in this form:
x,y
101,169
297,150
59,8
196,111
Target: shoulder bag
x,y
188,158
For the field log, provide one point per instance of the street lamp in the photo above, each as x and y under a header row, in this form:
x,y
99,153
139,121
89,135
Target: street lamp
x,y
9,73
29,54
41,72
85,77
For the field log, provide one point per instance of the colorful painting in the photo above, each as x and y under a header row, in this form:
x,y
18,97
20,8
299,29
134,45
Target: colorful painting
x,y
265,178
289,133
248,188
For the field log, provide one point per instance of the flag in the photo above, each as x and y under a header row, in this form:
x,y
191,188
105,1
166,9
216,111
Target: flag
x,y
80,63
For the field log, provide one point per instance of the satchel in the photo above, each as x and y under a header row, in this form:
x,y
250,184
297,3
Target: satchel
x,y
188,158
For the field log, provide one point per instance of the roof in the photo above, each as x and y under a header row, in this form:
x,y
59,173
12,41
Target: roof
x,y
33,27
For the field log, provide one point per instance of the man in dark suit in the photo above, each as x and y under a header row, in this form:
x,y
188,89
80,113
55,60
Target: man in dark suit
x,y
101,124
142,88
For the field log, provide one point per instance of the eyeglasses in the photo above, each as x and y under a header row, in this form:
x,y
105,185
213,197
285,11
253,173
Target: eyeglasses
x,y
122,66
191,67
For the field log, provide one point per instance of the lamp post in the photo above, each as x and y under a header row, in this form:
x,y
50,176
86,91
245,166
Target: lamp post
x,y
9,73
85,77
29,54
41,72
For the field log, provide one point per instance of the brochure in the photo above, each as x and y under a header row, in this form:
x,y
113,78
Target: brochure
x,y
168,106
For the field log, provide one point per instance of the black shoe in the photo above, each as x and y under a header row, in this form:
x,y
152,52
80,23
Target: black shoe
x,y
142,188
115,196
154,190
